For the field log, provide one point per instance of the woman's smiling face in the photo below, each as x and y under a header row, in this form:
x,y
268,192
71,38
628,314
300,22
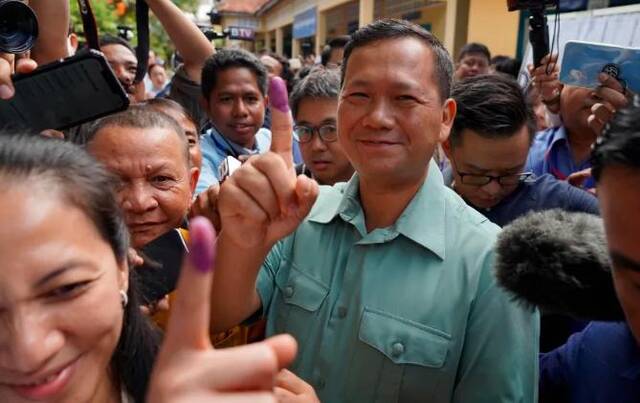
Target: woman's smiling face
x,y
60,307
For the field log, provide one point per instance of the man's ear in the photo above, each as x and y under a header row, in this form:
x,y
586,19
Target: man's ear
x,y
448,115
194,175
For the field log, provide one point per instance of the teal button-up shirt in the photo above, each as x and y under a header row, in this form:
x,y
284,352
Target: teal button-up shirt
x,y
408,313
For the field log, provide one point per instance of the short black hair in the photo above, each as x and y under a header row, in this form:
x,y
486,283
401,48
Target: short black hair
x,y
476,49
506,65
139,116
325,55
106,40
620,142
396,29
287,75
339,41
320,83
225,59
493,106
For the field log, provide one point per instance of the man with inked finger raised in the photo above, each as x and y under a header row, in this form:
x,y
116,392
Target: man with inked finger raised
x,y
384,281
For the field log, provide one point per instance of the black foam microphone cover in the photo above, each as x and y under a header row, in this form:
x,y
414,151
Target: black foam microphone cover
x,y
559,262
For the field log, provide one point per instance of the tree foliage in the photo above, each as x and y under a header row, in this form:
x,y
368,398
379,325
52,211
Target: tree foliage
x,y
111,14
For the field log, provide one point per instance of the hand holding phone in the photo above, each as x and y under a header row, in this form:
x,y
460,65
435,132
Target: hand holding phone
x,y
7,63
62,94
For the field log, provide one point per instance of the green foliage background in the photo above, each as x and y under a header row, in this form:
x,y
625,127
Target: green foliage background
x,y
108,21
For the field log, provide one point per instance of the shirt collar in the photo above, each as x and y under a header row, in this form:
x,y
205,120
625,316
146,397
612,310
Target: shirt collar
x,y
422,221
559,134
229,146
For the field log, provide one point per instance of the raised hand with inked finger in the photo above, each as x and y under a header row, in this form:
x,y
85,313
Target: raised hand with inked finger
x,y
264,201
188,369
261,203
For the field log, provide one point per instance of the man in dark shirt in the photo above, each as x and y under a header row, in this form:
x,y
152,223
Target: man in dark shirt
x,y
488,149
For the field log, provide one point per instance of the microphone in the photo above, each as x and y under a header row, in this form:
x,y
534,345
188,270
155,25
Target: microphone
x,y
559,262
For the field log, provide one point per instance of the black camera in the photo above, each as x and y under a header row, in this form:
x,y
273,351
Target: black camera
x,y
18,26
538,28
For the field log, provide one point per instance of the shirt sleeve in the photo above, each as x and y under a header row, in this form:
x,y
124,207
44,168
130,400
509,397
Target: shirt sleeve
x,y
187,93
581,201
499,361
266,282
207,178
555,370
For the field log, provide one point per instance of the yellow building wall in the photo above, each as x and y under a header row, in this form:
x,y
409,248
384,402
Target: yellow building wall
x,y
490,23
436,16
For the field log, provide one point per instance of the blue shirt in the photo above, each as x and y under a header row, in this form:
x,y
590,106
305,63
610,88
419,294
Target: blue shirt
x,y
550,153
215,148
601,364
407,313
538,194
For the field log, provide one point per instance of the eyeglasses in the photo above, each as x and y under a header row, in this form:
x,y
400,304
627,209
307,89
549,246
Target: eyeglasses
x,y
504,180
328,133
481,180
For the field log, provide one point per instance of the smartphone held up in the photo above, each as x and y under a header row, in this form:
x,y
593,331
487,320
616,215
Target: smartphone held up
x,y
58,95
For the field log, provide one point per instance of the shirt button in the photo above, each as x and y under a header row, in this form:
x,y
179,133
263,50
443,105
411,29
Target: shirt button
x,y
342,312
397,349
288,292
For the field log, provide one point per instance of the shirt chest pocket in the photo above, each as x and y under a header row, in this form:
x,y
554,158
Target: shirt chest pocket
x,y
397,360
299,302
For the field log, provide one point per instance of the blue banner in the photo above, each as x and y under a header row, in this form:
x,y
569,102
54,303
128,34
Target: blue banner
x,y
304,24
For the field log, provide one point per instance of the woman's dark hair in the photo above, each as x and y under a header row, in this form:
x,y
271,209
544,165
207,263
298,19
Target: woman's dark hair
x,y
70,172
493,106
396,29
620,142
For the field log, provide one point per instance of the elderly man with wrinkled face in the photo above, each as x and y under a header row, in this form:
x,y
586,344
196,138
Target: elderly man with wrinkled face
x,y
149,152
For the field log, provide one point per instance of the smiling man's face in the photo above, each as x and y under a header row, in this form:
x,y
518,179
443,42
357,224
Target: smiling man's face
x,y
391,116
236,106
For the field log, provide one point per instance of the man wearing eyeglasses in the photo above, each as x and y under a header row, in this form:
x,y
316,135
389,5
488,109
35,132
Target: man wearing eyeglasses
x,y
314,105
488,148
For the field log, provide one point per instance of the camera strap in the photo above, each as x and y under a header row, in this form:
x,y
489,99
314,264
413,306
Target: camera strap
x,y
89,24
142,50
142,26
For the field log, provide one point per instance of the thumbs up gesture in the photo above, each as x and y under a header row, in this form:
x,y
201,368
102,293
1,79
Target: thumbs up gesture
x,y
188,369
264,201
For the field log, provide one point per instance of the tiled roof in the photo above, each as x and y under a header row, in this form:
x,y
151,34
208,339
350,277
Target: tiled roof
x,y
241,6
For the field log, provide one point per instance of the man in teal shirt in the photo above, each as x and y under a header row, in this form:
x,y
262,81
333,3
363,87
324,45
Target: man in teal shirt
x,y
386,281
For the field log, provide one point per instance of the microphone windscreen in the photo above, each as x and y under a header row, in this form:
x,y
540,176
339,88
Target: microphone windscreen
x,y
559,262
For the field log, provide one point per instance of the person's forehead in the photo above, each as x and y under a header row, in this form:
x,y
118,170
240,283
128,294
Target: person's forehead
x,y
395,60
155,143
120,52
493,153
266,59
313,109
236,76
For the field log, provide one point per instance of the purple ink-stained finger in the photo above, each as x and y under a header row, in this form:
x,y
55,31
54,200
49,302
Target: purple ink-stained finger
x,y
202,244
278,97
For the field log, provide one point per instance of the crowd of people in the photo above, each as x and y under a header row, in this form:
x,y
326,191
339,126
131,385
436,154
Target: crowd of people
x,y
347,211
